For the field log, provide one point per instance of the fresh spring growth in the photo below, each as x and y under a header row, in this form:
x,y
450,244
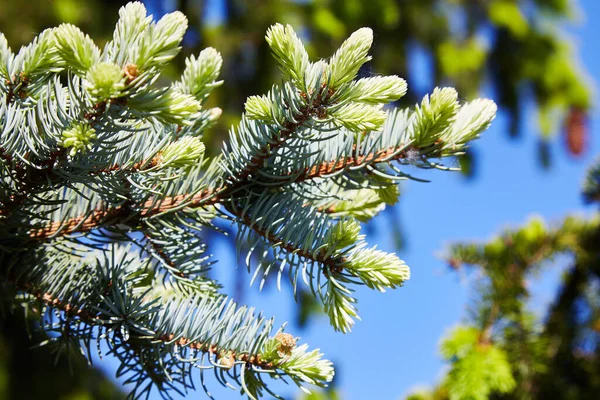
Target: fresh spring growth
x,y
289,51
478,369
388,193
200,75
357,117
378,269
259,107
40,57
77,49
160,42
4,55
377,90
339,306
472,119
361,204
308,366
353,53
177,108
266,108
345,233
167,105
186,152
132,24
434,115
104,81
78,138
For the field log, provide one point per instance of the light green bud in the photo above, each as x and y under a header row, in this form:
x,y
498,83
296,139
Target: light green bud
x,y
259,107
76,48
377,269
343,234
78,138
185,152
353,53
105,80
358,117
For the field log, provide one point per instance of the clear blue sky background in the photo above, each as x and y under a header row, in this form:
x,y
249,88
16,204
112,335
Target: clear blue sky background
x,y
394,348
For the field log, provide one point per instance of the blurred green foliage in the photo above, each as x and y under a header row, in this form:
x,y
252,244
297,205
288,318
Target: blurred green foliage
x,y
515,47
508,352
38,373
21,22
321,395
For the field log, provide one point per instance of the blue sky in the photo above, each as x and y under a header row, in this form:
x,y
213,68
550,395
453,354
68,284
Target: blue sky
x,y
394,347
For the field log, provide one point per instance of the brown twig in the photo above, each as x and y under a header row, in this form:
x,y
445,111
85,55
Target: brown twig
x,y
333,264
212,196
168,338
164,257
29,180
485,336
83,224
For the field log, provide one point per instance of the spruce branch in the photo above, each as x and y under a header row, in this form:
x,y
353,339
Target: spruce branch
x,y
404,152
289,52
95,151
320,256
237,338
224,358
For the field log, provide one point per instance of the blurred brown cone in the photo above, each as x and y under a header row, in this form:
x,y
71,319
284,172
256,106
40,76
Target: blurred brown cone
x,y
576,131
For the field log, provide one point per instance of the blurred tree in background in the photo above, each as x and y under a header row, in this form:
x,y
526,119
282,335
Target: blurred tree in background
x,y
514,49
507,350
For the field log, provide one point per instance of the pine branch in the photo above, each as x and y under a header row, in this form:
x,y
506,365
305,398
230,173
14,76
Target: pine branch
x,y
278,140
333,264
229,336
225,193
99,154
94,319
